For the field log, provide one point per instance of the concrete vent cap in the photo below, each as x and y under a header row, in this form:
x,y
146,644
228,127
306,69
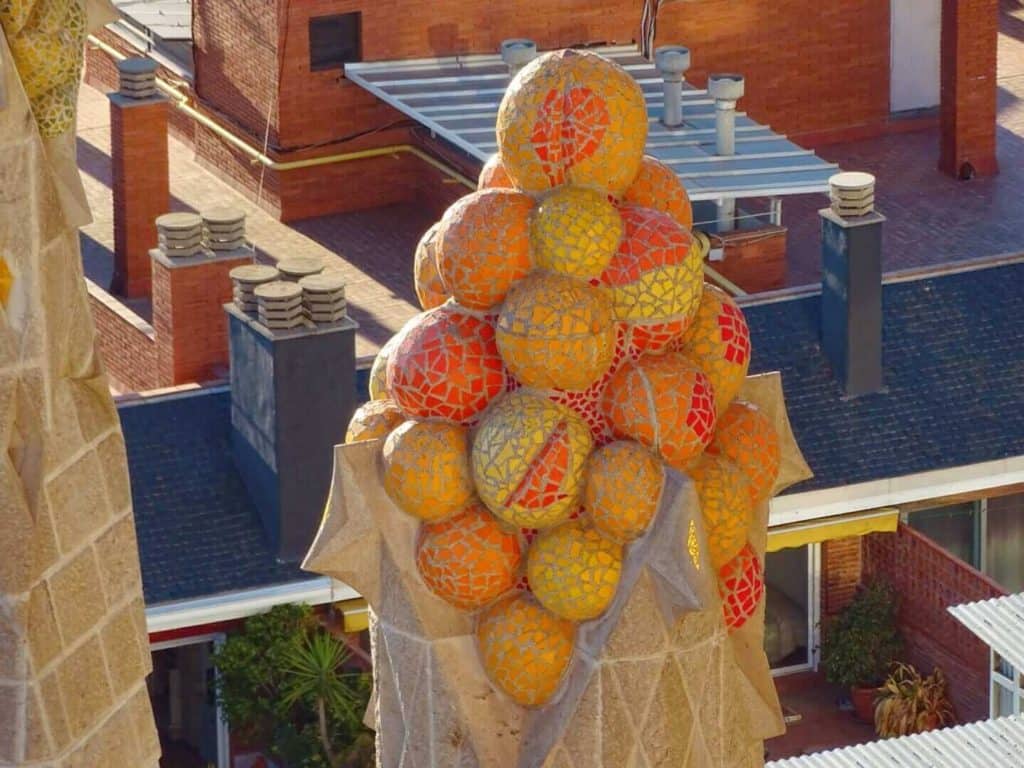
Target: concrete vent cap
x,y
180,234
852,193
726,87
224,229
517,52
245,279
672,61
137,77
298,267
323,297
279,305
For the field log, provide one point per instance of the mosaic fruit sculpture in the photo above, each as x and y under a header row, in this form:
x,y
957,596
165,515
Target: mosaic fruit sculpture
x,y
46,39
580,354
372,420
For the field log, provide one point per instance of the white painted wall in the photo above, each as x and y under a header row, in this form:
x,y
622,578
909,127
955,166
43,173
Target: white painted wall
x,y
914,42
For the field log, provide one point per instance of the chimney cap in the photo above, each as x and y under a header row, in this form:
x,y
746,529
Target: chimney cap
x,y
179,222
300,266
253,274
672,59
725,86
852,193
518,51
137,65
224,215
323,282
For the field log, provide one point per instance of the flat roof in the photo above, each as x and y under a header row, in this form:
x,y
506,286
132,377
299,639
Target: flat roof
x,y
987,744
999,623
457,98
167,19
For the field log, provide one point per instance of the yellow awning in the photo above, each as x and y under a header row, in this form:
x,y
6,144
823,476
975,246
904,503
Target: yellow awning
x,y
838,527
355,613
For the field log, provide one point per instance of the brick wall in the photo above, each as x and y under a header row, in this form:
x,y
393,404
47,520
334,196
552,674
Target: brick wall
x,y
929,580
126,343
841,567
754,259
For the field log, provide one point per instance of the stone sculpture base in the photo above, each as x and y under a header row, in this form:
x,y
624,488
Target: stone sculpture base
x,y
657,681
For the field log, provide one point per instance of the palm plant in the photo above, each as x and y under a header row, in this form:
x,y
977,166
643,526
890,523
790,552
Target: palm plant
x,y
909,703
314,666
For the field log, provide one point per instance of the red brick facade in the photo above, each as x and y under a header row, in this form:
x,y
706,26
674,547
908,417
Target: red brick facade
x,y
754,259
968,79
841,567
141,192
127,347
188,317
929,581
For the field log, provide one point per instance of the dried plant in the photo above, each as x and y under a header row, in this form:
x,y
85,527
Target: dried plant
x,y
909,703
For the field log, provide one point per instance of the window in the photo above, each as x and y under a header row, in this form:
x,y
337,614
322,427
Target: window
x,y
334,41
955,528
789,596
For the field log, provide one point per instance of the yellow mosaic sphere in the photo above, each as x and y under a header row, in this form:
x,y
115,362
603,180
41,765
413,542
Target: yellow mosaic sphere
x,y
747,438
574,571
623,487
724,494
575,231
525,650
379,371
528,458
429,288
572,117
555,332
373,420
718,341
426,469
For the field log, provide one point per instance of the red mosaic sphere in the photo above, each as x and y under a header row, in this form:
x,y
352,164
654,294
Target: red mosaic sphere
x,y
741,587
445,365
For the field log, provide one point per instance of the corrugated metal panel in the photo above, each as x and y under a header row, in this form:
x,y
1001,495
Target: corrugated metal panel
x,y
458,99
167,19
999,622
988,744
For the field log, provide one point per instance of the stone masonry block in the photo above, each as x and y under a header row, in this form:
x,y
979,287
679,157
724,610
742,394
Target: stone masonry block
x,y
9,695
117,554
37,742
121,647
84,686
112,456
78,498
42,627
78,596
53,706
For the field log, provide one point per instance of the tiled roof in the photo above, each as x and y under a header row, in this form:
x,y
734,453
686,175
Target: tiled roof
x,y
953,355
198,531
954,375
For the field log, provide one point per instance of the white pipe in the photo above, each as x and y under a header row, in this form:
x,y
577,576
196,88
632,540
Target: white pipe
x,y
725,127
727,214
672,61
517,52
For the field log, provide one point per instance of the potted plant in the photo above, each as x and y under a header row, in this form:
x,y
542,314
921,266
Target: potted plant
x,y
860,645
909,703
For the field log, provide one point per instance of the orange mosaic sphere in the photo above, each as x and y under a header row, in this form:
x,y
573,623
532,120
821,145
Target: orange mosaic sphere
x,y
556,332
373,420
655,276
746,437
665,403
741,587
724,494
493,175
657,186
426,469
445,365
623,488
468,560
528,458
429,288
483,246
574,571
524,648
572,117
719,342
575,231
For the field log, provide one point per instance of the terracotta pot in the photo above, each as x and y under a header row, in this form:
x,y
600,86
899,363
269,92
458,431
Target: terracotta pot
x,y
863,698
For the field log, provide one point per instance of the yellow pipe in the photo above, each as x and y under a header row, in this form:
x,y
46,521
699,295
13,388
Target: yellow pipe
x,y
181,102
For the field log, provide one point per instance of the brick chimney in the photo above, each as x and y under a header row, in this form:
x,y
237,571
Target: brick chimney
x,y
968,85
138,150
851,283
190,285
292,395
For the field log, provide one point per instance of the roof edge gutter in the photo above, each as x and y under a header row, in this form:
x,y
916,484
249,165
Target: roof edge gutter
x,y
892,492
228,606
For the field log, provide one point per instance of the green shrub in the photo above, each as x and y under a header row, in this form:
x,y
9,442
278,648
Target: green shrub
x,y
862,642
283,686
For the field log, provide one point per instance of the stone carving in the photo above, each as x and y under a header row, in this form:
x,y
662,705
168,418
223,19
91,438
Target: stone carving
x,y
560,574
73,646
